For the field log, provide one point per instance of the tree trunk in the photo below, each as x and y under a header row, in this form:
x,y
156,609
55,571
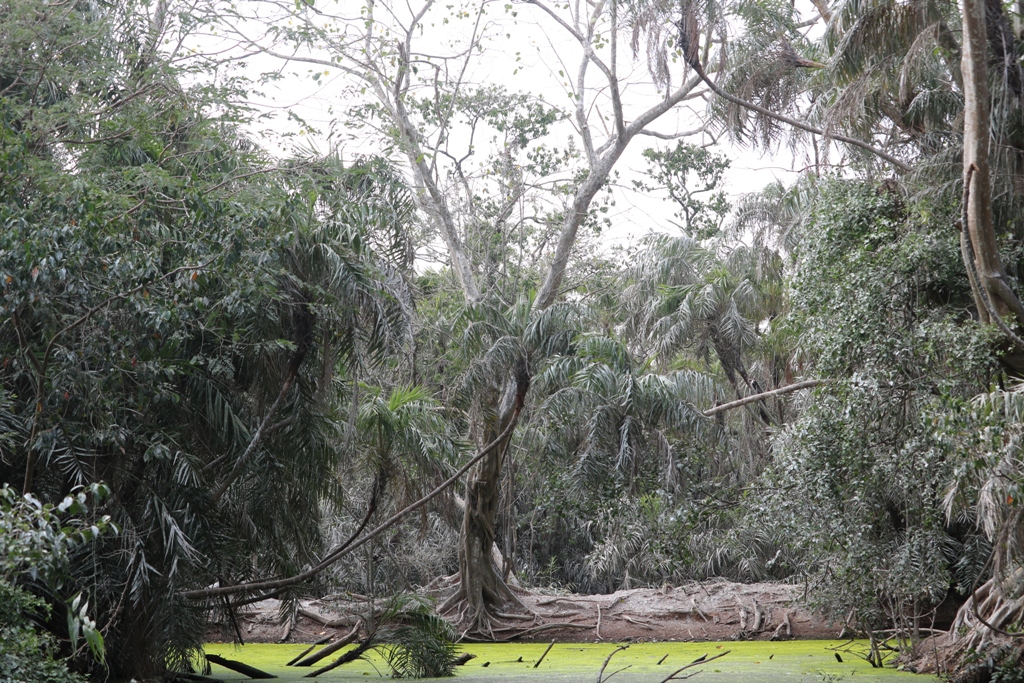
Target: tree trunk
x,y
481,582
974,66
988,265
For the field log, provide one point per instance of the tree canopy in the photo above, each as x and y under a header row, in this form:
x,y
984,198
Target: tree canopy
x,y
235,367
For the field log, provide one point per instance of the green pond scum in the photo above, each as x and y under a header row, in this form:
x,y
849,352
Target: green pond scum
x,y
798,661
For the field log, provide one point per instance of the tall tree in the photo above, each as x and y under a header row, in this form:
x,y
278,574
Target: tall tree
x,y
381,51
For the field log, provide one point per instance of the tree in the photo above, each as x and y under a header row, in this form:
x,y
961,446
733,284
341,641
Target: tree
x,y
671,170
993,295
858,479
178,314
379,52
607,412
682,296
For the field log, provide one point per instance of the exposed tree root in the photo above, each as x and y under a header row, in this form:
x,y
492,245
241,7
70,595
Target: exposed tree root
x,y
991,611
495,610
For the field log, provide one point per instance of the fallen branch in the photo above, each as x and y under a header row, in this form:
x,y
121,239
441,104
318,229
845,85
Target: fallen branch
x,y
330,649
308,650
702,660
244,669
551,645
349,656
337,554
763,395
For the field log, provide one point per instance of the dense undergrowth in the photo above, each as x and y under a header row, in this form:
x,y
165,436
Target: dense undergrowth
x,y
247,351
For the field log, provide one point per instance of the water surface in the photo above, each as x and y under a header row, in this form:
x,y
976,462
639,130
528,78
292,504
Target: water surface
x,y
798,661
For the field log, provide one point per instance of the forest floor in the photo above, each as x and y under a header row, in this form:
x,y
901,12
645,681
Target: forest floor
x,y
706,611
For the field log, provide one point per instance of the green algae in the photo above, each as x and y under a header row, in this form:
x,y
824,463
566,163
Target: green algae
x,y
798,661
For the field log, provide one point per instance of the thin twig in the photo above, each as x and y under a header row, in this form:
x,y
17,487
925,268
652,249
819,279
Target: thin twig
x,y
681,669
600,674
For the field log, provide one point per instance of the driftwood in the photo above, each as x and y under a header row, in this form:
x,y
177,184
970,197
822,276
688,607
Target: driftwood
x,y
674,676
600,674
244,669
463,658
349,656
308,650
331,649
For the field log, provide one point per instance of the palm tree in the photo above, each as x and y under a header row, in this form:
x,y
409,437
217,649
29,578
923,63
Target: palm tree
x,y
610,413
180,319
684,298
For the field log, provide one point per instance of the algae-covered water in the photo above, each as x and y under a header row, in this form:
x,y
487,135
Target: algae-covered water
x,y
800,661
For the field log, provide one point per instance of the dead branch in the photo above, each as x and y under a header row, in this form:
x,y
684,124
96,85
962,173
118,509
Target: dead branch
x,y
337,554
600,674
702,660
760,397
550,645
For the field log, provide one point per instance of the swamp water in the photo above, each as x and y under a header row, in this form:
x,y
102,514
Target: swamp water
x,y
797,661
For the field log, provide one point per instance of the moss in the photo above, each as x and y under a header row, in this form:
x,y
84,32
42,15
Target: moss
x,y
801,661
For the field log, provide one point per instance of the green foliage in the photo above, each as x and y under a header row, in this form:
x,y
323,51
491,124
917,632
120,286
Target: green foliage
x,y
420,644
994,664
611,415
178,316
26,655
692,176
859,479
36,545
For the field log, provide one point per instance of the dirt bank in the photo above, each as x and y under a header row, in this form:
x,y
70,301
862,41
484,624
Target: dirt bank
x,y
712,610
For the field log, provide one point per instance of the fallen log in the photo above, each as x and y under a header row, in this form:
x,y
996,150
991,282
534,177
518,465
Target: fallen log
x,y
308,650
329,623
349,656
239,667
331,649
